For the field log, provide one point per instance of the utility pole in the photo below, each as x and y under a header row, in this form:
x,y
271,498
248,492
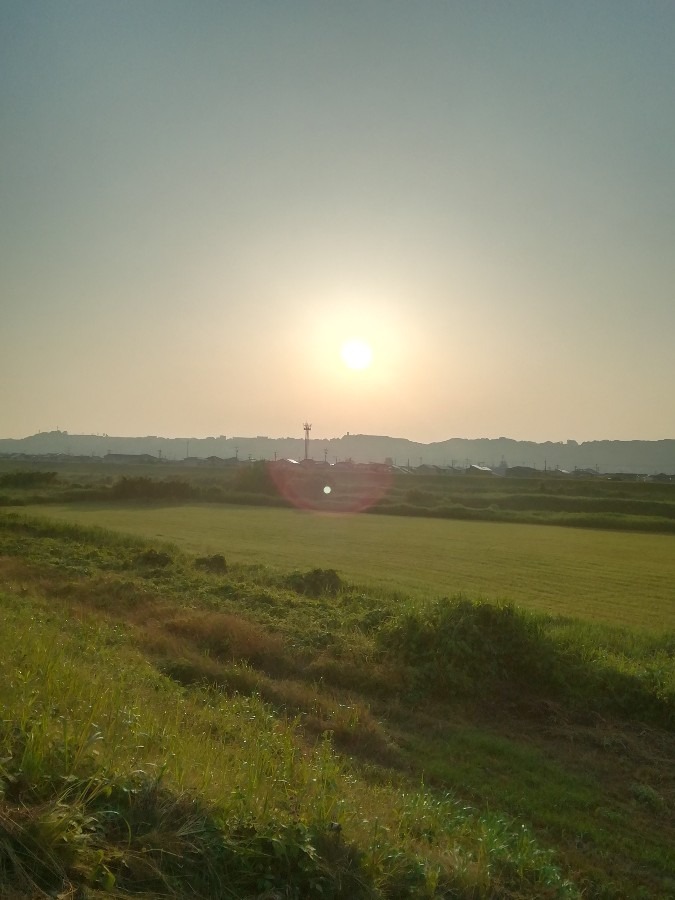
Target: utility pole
x,y
307,428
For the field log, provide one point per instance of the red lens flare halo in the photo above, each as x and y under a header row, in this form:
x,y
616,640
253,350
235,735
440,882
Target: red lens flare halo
x,y
328,488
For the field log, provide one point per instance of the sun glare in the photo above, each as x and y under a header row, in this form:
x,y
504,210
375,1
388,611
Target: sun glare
x,y
356,353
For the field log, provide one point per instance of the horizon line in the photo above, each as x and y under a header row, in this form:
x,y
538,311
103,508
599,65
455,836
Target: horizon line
x,y
262,437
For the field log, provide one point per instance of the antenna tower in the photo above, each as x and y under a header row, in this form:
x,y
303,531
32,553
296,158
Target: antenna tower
x,y
307,428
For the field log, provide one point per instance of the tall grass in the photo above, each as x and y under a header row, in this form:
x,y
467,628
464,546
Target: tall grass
x,y
177,728
115,777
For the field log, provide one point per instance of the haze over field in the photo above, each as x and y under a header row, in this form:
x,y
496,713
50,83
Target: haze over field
x,y
428,220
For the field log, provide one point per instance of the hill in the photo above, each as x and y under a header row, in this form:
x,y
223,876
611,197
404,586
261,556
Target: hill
x,y
646,457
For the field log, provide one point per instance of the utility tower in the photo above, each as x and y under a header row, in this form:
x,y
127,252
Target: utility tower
x,y
307,428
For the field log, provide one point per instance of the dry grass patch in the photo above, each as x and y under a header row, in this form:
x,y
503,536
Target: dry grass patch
x,y
354,673
229,637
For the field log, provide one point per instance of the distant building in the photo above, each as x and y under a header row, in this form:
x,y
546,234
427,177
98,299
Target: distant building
x,y
131,458
213,461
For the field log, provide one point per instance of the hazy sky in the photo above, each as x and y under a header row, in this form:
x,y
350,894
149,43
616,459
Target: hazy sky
x,y
201,201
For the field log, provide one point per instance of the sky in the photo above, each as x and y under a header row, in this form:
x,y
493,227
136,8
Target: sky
x,y
202,202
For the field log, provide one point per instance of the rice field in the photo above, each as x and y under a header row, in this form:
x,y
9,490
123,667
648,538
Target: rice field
x,y
620,578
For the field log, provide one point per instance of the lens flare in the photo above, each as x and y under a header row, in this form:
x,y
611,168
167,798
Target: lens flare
x,y
348,489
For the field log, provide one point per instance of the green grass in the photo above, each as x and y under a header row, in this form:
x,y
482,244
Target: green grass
x,y
158,707
613,577
115,778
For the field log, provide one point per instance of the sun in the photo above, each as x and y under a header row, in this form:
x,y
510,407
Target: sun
x,y
356,353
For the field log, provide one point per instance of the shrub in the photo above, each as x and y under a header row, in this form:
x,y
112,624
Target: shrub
x,y
465,648
255,479
27,479
458,644
153,559
315,583
215,563
144,488
416,497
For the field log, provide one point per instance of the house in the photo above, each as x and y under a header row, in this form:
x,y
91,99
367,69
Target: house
x,y
480,471
131,458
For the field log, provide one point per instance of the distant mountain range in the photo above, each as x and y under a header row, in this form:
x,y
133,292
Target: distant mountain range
x,y
648,457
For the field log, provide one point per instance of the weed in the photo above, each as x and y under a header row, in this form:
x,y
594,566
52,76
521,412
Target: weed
x,y
643,793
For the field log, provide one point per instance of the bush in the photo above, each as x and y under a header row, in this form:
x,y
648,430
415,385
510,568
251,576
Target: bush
x,y
144,488
215,564
458,647
255,479
27,479
153,559
315,583
457,644
416,497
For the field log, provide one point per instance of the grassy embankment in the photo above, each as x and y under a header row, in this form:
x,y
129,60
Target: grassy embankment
x,y
173,723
